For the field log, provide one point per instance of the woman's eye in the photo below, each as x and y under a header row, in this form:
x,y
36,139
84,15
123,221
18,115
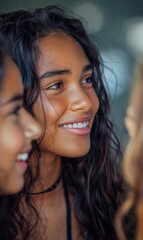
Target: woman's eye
x,y
16,110
88,80
56,86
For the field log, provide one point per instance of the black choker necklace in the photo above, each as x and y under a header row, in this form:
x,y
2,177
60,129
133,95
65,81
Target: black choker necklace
x,y
51,188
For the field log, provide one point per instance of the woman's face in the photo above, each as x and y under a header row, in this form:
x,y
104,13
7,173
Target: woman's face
x,y
69,100
17,130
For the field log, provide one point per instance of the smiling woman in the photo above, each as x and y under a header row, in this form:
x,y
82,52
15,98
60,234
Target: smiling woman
x,y
67,83
10,104
17,130
15,134
75,166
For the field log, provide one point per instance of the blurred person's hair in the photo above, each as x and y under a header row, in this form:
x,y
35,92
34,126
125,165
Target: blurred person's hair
x,y
132,165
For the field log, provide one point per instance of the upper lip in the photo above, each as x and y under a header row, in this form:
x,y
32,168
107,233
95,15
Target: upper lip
x,y
26,151
77,120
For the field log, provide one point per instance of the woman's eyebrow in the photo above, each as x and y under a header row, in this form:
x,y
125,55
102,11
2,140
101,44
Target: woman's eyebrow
x,y
49,74
17,97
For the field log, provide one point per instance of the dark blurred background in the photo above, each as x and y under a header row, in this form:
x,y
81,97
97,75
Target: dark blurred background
x,y
118,30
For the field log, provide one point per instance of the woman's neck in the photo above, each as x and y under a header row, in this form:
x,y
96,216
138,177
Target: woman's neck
x,y
50,170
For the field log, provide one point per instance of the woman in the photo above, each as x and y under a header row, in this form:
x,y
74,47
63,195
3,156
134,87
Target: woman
x,y
75,167
17,131
17,128
133,158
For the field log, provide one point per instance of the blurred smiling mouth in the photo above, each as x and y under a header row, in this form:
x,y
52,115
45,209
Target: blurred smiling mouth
x,y
21,160
22,157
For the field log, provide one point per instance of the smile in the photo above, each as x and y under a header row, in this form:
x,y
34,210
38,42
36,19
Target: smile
x,y
22,157
76,125
77,128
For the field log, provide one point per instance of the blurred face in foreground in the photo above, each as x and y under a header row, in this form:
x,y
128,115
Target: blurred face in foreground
x,y
17,130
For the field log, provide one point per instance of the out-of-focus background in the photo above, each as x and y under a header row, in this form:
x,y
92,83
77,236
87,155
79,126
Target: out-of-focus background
x,y
118,30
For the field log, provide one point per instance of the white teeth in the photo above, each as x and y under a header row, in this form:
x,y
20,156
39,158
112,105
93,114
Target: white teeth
x,y
77,125
80,125
85,124
69,125
22,157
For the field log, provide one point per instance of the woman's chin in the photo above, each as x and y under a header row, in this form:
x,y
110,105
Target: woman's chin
x,y
77,153
12,188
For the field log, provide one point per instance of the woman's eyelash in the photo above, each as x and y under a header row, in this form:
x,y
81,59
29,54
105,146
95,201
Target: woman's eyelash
x,y
60,85
55,86
16,110
88,80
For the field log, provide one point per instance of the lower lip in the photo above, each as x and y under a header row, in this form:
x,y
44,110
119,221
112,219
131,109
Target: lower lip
x,y
78,131
22,164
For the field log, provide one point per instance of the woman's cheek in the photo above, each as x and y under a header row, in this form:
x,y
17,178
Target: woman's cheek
x,y
12,138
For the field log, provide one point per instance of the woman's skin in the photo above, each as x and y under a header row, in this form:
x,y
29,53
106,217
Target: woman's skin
x,y
17,130
70,105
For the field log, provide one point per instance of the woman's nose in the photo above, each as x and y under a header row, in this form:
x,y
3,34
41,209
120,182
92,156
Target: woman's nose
x,y
32,128
80,100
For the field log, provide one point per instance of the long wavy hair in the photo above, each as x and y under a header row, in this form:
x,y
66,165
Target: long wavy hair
x,y
132,164
93,178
